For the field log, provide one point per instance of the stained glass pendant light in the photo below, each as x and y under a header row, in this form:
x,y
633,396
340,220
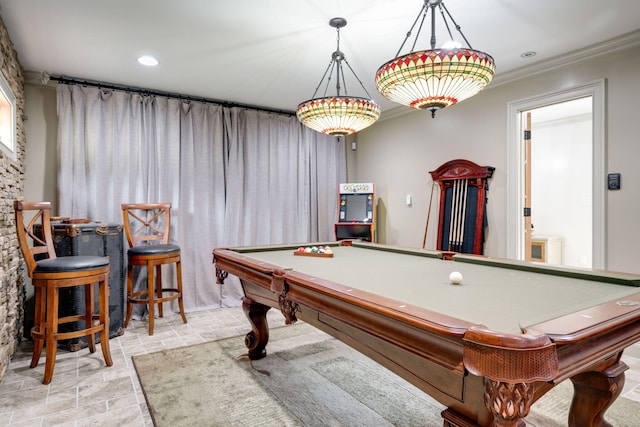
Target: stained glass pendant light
x,y
436,78
339,114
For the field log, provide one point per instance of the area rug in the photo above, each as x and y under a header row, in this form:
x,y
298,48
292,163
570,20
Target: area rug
x,y
307,379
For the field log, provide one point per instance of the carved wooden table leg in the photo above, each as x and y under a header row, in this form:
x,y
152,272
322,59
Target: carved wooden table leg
x,y
221,276
257,339
510,403
593,393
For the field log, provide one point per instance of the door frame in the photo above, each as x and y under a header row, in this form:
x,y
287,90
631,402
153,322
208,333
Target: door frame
x,y
515,167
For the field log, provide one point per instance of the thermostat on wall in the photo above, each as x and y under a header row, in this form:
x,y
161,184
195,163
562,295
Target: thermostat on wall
x,y
613,181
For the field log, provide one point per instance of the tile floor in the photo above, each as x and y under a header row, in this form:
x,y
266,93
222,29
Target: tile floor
x,y
84,392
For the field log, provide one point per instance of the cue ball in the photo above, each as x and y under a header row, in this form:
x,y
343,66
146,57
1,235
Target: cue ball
x,y
455,277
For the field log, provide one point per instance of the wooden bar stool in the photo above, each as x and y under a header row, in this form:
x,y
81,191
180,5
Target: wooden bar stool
x,y
49,274
147,227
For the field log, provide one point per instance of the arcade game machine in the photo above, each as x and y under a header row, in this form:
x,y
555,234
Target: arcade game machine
x,y
356,215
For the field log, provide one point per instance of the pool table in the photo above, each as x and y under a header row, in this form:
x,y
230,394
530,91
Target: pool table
x,y
486,348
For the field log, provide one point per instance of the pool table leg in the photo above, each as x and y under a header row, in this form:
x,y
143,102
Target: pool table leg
x,y
594,392
509,402
257,339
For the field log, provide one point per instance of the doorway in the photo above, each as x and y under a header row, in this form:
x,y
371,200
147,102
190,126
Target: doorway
x,y
561,196
566,176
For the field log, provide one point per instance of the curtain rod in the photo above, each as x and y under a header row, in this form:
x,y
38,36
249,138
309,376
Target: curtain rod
x,y
111,86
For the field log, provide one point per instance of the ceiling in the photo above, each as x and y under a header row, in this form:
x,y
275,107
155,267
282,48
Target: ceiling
x,y
273,53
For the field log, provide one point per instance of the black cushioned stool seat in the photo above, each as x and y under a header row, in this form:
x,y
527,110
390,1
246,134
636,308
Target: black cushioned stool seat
x,y
70,263
154,250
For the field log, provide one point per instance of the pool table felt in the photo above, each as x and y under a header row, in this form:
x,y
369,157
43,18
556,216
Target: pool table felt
x,y
503,299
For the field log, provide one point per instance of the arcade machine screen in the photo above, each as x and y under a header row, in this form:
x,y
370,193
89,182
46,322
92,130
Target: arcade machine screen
x,y
356,208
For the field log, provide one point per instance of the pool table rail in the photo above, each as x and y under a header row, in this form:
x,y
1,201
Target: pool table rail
x,y
593,321
621,278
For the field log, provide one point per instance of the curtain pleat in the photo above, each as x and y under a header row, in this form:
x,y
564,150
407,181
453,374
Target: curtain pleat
x,y
234,176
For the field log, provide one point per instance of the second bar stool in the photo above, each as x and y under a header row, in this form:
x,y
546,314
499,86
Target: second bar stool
x,y
147,227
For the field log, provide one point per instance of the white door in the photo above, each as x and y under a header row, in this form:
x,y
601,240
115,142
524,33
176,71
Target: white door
x,y
560,190
553,157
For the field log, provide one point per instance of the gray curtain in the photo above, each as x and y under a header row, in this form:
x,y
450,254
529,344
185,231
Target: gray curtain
x,y
234,176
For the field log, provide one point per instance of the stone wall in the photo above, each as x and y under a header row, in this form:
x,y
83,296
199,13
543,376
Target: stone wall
x,y
12,268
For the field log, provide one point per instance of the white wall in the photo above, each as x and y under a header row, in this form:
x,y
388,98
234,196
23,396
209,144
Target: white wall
x,y
41,128
397,155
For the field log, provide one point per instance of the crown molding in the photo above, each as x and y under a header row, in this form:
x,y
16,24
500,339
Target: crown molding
x,y
625,41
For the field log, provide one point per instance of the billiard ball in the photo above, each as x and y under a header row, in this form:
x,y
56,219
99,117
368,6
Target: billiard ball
x,y
455,277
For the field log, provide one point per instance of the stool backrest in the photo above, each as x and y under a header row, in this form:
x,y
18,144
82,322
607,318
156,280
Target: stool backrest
x,y
41,245
146,223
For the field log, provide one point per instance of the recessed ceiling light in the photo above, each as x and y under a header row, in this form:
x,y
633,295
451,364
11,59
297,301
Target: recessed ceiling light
x,y
451,44
147,60
529,54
